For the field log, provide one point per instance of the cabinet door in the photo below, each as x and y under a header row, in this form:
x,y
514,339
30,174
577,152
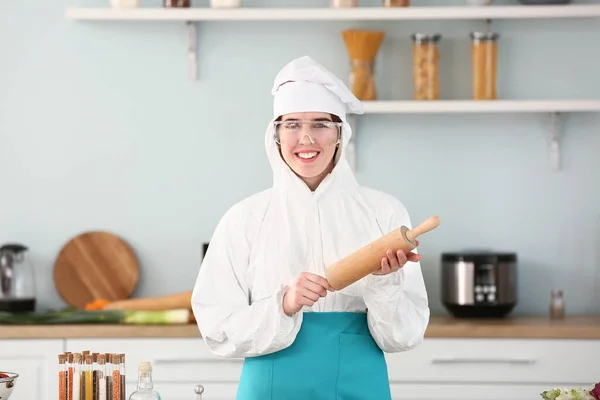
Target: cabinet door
x,y
427,391
185,391
36,362
177,365
497,361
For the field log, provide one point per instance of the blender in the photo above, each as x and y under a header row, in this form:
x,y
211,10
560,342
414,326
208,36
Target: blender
x,y
17,286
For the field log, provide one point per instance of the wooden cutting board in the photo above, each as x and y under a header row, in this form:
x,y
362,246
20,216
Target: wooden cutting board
x,y
95,265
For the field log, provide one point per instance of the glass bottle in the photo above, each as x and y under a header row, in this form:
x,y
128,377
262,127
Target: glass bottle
x,y
62,370
557,305
102,377
77,376
109,368
122,380
88,373
484,61
145,387
425,66
116,378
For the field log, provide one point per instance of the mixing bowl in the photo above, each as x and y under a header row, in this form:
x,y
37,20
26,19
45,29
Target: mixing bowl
x,y
7,383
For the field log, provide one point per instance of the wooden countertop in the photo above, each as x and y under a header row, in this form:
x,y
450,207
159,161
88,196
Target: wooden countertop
x,y
518,327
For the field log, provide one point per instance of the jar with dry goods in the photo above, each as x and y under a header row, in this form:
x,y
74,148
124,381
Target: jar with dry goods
x,y
557,305
362,47
344,3
396,3
176,3
425,66
484,60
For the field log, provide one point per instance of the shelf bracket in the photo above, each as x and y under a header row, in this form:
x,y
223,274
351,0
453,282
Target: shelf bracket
x,y
192,51
554,141
488,25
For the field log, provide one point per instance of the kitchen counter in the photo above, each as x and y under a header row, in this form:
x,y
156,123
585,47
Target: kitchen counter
x,y
518,327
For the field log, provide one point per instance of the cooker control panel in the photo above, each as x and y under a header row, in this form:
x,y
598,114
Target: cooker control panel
x,y
485,293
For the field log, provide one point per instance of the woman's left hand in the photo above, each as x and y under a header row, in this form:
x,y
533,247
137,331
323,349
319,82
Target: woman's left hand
x,y
394,261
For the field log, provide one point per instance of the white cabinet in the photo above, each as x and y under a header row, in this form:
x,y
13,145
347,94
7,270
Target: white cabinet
x,y
453,369
178,365
494,369
460,391
36,362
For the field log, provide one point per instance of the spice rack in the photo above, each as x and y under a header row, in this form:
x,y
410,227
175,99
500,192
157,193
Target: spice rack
x,y
91,376
192,16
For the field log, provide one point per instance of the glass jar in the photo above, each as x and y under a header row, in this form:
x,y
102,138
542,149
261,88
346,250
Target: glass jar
x,y
425,66
344,3
557,305
362,79
362,47
396,3
484,60
176,3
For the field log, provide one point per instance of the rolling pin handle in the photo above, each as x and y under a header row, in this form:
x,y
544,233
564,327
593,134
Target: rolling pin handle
x,y
425,226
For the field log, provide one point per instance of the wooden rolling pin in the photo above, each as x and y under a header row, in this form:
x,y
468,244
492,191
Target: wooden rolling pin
x,y
367,259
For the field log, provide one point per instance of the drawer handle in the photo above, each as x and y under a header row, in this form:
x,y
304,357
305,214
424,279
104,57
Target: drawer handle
x,y
196,360
451,360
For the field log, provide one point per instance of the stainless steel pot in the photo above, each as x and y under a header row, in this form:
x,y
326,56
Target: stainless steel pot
x,y
479,284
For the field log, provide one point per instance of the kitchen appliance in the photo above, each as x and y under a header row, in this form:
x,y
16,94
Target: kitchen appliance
x,y
479,284
7,384
17,281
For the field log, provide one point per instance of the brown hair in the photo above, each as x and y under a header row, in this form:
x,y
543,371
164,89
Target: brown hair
x,y
334,117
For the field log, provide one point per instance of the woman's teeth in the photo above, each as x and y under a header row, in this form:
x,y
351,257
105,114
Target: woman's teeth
x,y
308,156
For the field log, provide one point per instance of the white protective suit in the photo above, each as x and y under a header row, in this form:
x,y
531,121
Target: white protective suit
x,y
262,243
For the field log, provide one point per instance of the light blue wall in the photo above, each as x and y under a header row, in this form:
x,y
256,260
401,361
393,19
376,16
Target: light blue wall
x,y
101,129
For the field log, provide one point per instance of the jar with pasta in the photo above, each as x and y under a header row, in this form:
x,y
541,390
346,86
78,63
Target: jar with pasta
x,y
425,66
396,3
484,60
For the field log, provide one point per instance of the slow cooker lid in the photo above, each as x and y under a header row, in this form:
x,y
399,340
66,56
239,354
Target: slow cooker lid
x,y
480,257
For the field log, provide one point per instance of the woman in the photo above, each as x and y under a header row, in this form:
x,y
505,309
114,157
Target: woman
x,y
261,292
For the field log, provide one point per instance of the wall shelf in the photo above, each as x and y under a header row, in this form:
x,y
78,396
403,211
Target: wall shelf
x,y
554,108
192,16
481,106
336,14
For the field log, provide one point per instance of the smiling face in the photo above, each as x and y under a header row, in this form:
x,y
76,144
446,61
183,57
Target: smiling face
x,y
308,142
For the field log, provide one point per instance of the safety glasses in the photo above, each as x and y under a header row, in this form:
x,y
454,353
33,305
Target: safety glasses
x,y
321,133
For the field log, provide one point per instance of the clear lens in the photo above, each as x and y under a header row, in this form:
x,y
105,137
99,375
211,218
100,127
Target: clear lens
x,y
322,133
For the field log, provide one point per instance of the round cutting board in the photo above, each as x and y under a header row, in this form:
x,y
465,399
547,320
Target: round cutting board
x,y
95,265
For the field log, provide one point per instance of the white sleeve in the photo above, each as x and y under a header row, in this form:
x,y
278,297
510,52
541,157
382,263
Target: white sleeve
x,y
397,305
229,325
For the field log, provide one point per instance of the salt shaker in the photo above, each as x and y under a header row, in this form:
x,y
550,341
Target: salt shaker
x,y
557,305
199,389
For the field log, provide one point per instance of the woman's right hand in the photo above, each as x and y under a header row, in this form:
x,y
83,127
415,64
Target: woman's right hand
x,y
305,291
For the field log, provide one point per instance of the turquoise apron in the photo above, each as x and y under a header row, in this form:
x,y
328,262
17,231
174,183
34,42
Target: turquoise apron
x,y
334,357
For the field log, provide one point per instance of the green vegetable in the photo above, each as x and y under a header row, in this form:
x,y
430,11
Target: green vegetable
x,y
550,394
71,316
566,394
